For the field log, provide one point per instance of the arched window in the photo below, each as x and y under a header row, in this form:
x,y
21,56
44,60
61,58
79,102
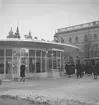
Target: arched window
x,y
85,38
62,40
94,50
85,47
95,36
86,51
76,38
70,39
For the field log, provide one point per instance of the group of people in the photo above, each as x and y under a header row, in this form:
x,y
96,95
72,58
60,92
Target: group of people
x,y
69,69
88,67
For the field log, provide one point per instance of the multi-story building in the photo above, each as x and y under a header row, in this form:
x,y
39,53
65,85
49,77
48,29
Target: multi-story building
x,y
85,36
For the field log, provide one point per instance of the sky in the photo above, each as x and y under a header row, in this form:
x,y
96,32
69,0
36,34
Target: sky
x,y
44,17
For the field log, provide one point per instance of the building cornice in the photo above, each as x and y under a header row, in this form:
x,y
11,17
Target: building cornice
x,y
80,27
70,31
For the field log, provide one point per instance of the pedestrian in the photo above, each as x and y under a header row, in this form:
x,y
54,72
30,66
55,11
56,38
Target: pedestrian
x,y
88,68
66,68
69,70
91,67
95,70
22,72
72,68
79,69
98,67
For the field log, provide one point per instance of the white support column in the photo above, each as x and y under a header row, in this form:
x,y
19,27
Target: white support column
x,y
60,59
46,61
12,65
19,62
28,60
41,62
52,59
18,66
35,60
56,62
4,63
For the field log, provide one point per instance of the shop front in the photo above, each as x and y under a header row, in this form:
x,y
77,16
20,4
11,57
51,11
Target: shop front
x,y
41,59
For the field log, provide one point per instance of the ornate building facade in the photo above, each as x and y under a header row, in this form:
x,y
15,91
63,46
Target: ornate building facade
x,y
85,36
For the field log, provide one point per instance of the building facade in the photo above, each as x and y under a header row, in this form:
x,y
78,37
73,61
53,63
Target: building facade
x,y
42,59
85,36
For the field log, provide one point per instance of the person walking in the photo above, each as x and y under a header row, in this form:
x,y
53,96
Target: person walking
x,y
98,67
95,70
79,69
69,70
73,68
66,68
22,72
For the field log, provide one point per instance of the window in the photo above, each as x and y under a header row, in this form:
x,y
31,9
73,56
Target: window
x,y
85,38
94,50
95,36
38,53
9,52
70,39
62,40
1,52
1,65
58,53
32,64
31,52
76,38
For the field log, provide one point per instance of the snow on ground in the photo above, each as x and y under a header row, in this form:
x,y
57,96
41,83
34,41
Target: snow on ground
x,y
82,90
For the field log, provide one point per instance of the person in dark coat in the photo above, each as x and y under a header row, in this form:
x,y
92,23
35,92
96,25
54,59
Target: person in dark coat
x,y
37,67
84,67
22,72
79,69
72,68
91,67
95,70
66,68
88,68
98,67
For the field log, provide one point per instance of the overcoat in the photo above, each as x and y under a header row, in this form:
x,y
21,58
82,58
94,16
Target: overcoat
x,y
78,68
22,70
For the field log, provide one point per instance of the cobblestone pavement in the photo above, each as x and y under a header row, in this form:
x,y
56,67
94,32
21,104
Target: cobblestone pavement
x,y
85,89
